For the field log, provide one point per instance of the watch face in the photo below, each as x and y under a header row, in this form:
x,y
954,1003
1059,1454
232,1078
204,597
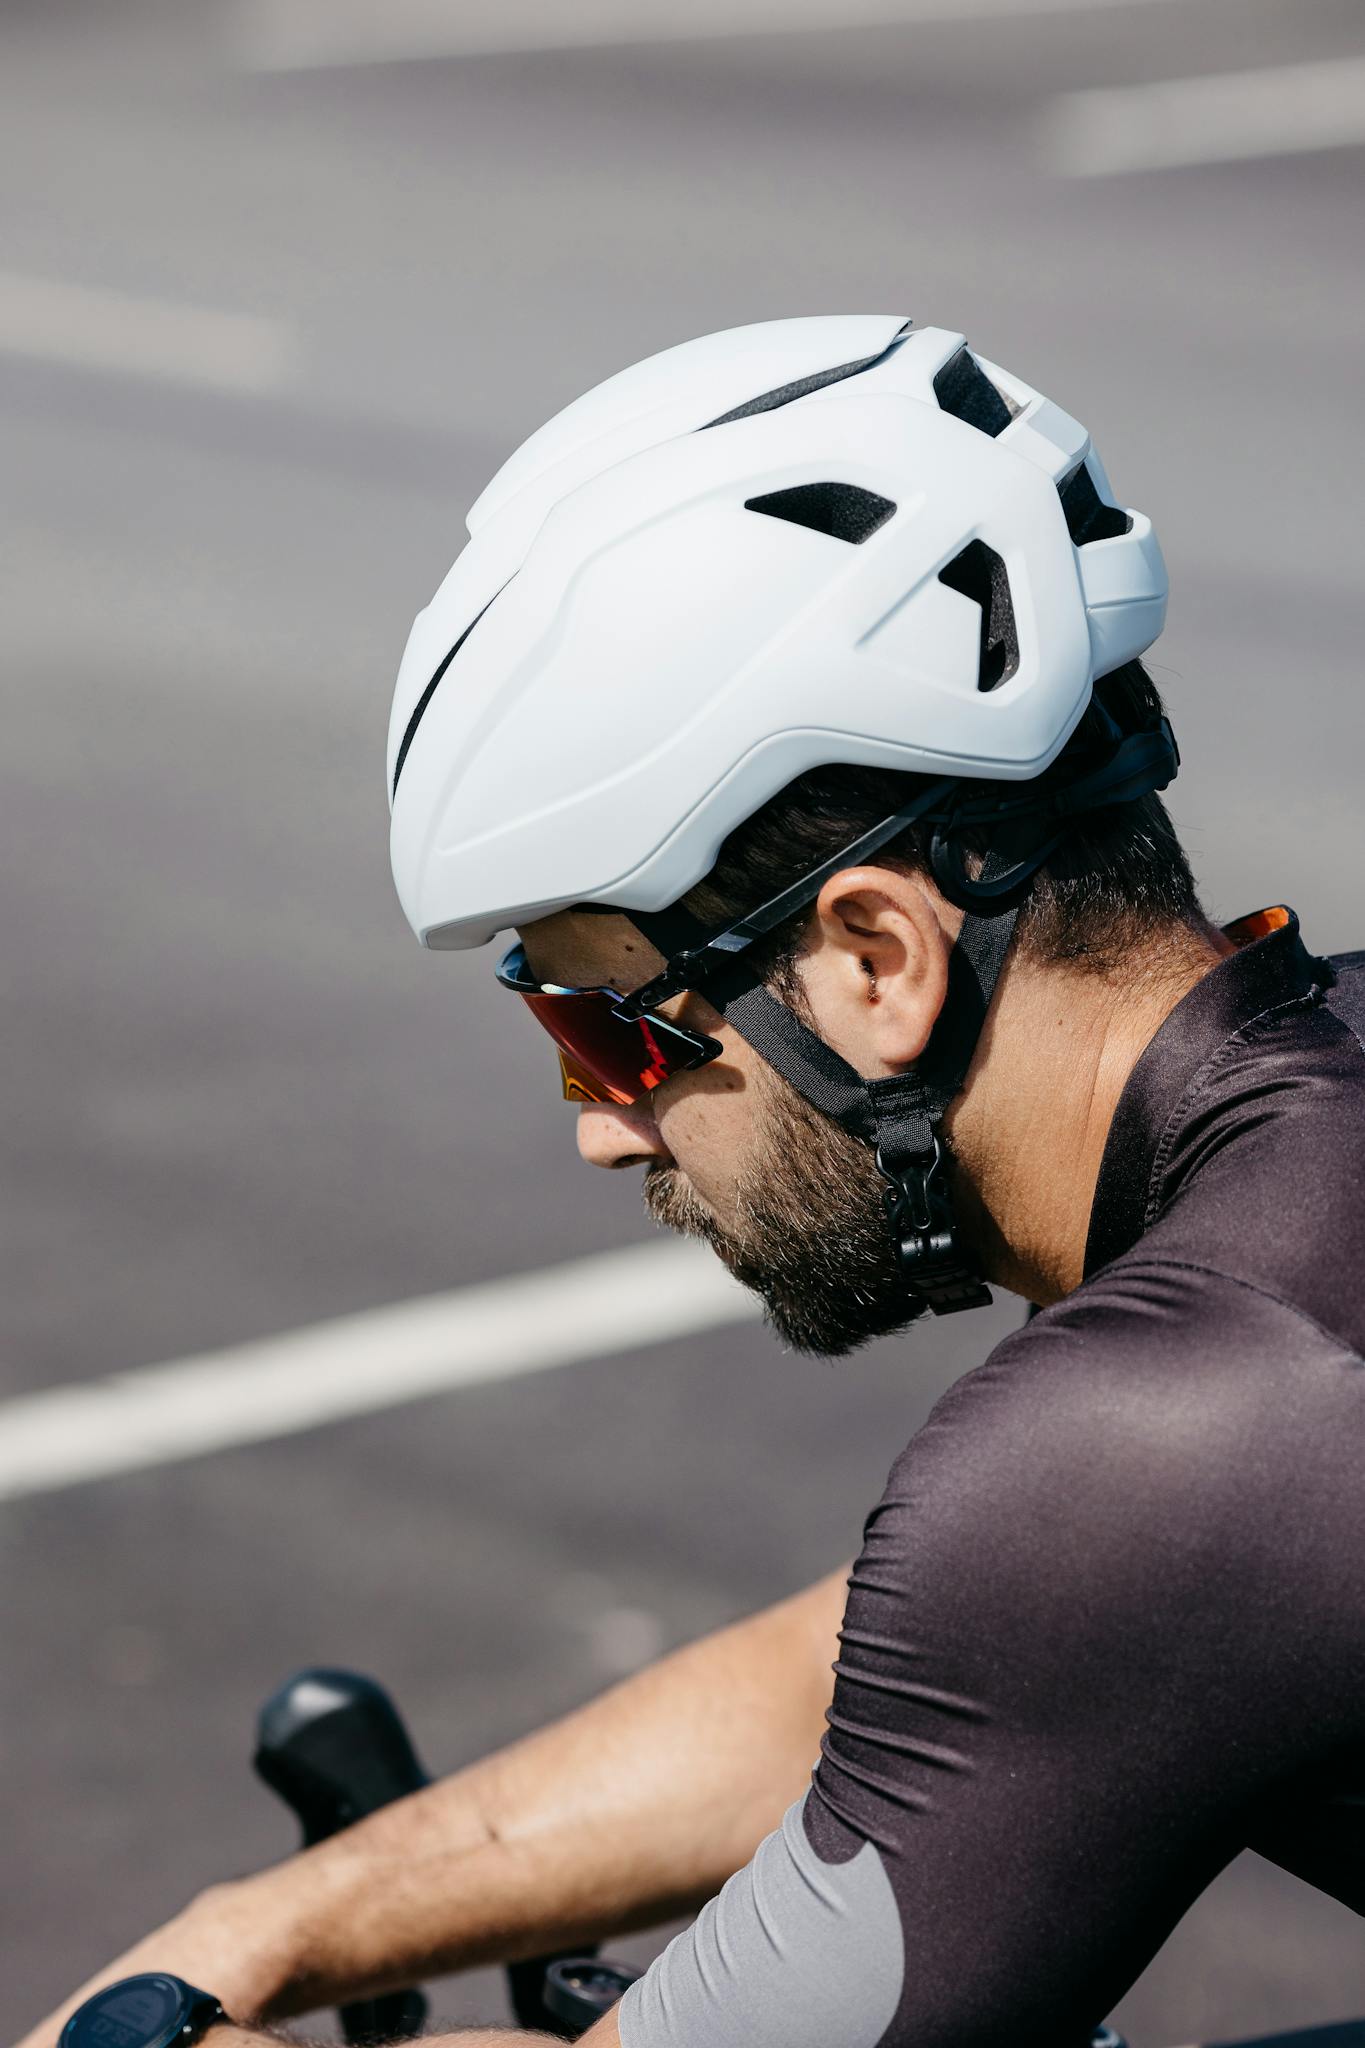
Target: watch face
x,y
134,2014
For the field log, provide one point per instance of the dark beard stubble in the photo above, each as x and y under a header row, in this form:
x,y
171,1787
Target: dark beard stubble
x,y
813,1240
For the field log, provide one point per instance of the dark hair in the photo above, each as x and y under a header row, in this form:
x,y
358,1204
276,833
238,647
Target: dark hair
x,y
1119,877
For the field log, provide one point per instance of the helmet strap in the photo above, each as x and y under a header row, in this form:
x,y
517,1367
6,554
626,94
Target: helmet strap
x,y
900,1115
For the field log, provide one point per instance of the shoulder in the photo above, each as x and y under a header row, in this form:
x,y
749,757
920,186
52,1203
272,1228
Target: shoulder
x,y
1103,1375
1142,1513
1162,1417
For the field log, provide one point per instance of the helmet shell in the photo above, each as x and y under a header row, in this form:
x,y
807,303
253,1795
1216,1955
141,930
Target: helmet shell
x,y
641,660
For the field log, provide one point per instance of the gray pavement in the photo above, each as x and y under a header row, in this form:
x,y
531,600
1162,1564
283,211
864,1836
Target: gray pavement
x,y
237,1098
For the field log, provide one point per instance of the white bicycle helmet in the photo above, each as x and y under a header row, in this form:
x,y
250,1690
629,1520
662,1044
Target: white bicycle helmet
x,y
810,541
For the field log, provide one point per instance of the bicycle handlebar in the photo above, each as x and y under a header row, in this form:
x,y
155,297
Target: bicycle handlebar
x,y
333,1746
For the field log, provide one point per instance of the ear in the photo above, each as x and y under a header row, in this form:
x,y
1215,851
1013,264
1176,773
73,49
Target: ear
x,y
875,968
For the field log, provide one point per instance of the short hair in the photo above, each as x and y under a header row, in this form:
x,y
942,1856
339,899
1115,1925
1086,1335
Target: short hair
x,y
1120,877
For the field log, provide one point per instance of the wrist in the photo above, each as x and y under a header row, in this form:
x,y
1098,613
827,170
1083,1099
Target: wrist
x,y
247,1944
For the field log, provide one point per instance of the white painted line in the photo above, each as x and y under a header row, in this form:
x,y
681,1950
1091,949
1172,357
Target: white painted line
x,y
306,35
1232,115
91,328
528,1322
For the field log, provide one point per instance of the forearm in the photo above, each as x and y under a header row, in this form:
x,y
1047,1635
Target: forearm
x,y
480,2037
632,1810
604,2034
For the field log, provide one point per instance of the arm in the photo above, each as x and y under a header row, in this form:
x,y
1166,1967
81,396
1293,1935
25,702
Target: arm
x,y
632,1810
1098,1621
603,2035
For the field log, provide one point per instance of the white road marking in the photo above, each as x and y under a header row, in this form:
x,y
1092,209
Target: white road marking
x,y
1231,115
305,35
91,328
358,1365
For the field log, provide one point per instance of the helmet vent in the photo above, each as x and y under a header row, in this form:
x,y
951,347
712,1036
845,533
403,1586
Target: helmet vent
x,y
963,389
785,394
1087,516
419,709
844,510
980,574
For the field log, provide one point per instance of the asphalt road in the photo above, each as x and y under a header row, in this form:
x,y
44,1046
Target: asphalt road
x,y
237,1098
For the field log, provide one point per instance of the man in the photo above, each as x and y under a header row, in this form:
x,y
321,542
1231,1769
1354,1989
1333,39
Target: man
x,y
788,703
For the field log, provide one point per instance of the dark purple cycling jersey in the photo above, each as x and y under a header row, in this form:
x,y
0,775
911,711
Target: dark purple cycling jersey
x,y
1107,1627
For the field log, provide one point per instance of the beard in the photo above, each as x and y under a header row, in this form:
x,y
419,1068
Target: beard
x,y
812,1238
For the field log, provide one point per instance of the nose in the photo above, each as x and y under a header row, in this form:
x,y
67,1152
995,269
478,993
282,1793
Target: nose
x,y
614,1137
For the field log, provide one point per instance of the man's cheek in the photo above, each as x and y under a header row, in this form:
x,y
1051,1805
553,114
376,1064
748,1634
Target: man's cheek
x,y
709,1137
713,1189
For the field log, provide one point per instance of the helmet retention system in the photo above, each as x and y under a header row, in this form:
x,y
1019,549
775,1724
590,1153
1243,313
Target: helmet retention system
x,y
679,596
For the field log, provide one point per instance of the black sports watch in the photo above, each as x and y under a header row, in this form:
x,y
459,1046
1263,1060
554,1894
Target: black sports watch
x,y
151,2011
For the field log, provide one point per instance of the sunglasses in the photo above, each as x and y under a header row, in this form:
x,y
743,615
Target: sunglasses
x,y
605,1054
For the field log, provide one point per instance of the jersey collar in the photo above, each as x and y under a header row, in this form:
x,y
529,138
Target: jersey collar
x,y
1271,967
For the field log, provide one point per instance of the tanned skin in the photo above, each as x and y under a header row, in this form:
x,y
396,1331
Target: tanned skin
x,y
638,1807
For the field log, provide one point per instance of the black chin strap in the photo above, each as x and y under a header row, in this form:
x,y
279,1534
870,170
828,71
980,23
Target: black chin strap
x,y
901,1115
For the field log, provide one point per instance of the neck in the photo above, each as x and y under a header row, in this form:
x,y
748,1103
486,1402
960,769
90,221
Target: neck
x,y
1028,1132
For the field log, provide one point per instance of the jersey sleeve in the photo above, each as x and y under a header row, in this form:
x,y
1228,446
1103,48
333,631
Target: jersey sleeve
x,y
1070,1675
789,1934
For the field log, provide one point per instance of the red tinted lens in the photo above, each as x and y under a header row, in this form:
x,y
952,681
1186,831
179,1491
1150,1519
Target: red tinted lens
x,y
620,1061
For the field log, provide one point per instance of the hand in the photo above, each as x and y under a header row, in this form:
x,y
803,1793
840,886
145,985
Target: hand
x,y
215,1944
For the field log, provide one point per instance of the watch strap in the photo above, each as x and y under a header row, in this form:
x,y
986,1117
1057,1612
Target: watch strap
x,y
205,2012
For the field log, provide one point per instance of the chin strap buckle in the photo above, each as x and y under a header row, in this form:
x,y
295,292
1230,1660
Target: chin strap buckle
x,y
920,1212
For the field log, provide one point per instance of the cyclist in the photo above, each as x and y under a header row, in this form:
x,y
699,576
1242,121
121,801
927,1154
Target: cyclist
x,y
787,705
